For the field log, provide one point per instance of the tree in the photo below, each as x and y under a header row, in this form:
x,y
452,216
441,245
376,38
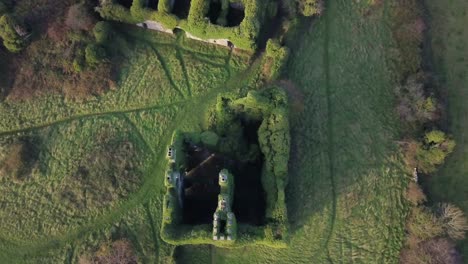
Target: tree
x,y
433,251
454,221
11,33
423,225
436,146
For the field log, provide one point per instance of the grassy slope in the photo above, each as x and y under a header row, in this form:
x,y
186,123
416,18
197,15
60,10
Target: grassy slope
x,y
345,192
450,47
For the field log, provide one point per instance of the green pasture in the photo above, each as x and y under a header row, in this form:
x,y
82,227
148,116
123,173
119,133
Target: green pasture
x,y
449,46
346,183
98,172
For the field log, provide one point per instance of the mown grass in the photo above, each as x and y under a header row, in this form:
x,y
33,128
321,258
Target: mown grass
x,y
345,195
449,44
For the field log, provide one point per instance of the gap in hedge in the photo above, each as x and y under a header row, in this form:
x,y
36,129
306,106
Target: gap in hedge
x,y
181,8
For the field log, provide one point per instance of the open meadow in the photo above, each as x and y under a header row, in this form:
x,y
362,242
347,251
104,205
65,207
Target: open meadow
x,y
96,166
345,196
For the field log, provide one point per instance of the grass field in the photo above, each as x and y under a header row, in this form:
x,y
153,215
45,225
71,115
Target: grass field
x,y
345,193
449,39
98,172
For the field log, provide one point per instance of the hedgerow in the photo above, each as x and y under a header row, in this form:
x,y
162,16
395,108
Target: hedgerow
x,y
243,36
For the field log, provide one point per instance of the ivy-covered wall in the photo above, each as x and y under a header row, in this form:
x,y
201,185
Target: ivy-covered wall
x,y
270,107
243,36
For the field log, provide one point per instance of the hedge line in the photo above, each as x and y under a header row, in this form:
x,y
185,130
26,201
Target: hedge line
x,y
243,36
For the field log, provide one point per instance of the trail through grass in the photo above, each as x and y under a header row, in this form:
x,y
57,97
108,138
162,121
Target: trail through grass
x,y
346,183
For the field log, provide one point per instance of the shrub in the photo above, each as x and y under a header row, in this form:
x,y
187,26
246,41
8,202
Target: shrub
x,y
454,221
94,54
10,33
276,56
423,224
434,251
310,7
102,32
414,194
209,138
432,152
79,17
57,32
413,105
116,12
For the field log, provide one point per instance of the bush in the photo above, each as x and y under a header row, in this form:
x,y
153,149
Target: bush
x,y
310,7
413,105
423,225
432,152
454,221
9,32
57,32
102,32
434,251
79,17
414,194
209,139
94,54
275,58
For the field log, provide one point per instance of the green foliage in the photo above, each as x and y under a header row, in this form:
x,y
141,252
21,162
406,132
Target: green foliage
x,y
103,32
116,12
310,7
3,8
210,139
423,225
433,151
9,33
95,54
276,57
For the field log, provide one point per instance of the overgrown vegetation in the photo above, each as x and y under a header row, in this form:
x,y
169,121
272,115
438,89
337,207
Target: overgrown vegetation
x,y
229,119
446,50
426,147
244,36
